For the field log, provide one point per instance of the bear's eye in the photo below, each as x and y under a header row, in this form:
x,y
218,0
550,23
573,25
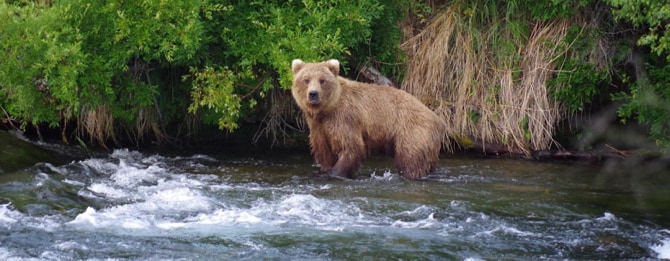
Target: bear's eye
x,y
321,81
306,81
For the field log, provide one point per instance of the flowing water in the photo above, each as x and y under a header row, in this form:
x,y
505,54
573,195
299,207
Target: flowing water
x,y
251,206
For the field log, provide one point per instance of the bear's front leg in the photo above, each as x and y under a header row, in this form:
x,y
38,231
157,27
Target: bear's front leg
x,y
322,152
326,160
347,164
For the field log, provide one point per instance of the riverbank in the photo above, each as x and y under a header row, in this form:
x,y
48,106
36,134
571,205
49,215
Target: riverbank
x,y
27,150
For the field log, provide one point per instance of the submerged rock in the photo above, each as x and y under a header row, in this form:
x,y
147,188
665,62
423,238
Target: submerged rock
x,y
17,153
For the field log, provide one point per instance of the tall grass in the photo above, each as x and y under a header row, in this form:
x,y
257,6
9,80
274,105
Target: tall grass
x,y
486,70
97,124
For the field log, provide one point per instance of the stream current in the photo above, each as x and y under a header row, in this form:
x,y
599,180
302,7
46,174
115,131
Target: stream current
x,y
128,205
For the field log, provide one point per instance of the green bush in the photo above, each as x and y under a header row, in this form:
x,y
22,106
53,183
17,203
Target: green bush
x,y
137,66
652,16
580,79
648,101
69,59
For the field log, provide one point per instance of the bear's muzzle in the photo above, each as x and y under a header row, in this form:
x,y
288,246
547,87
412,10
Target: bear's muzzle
x,y
313,97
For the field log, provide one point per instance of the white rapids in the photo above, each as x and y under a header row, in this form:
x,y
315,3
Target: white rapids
x,y
135,206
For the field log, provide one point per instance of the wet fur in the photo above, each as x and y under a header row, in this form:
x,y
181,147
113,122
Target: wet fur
x,y
354,119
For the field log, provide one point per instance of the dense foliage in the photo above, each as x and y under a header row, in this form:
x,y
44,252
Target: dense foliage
x,y
648,98
135,67
102,64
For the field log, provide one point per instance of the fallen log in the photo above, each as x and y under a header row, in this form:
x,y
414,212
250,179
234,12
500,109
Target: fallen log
x,y
493,149
577,155
375,76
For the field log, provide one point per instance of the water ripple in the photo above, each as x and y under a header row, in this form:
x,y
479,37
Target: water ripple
x,y
137,206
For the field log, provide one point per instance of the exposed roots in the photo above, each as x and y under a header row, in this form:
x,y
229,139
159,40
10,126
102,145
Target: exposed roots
x,y
276,123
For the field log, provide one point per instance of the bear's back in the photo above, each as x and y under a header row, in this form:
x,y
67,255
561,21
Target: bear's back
x,y
384,111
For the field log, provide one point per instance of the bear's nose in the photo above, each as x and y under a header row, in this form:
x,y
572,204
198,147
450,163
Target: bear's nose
x,y
313,96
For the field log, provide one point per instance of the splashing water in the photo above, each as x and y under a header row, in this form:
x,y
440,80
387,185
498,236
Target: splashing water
x,y
129,205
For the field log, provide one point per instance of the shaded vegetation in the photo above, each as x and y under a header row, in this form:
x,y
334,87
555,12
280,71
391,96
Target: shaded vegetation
x,y
647,99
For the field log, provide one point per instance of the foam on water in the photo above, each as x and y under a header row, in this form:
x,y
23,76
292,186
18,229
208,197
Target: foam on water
x,y
135,195
153,199
662,250
504,230
8,216
157,200
161,211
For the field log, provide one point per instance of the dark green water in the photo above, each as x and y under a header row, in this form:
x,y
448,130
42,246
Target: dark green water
x,y
251,206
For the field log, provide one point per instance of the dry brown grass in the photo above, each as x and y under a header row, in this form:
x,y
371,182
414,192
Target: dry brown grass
x,y
148,124
97,124
488,83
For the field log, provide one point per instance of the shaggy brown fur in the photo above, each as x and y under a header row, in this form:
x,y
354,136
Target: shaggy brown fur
x,y
348,120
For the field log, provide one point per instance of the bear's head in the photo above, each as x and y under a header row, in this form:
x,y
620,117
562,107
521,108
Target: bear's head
x,y
315,85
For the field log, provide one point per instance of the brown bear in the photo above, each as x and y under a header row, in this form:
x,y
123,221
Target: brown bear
x,y
348,120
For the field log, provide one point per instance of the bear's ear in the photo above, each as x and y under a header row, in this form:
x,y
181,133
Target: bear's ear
x,y
297,65
333,66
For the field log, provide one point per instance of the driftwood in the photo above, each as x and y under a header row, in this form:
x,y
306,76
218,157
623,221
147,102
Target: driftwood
x,y
375,76
577,155
492,149
591,156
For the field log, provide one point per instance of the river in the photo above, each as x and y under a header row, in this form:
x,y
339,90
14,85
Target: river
x,y
231,205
